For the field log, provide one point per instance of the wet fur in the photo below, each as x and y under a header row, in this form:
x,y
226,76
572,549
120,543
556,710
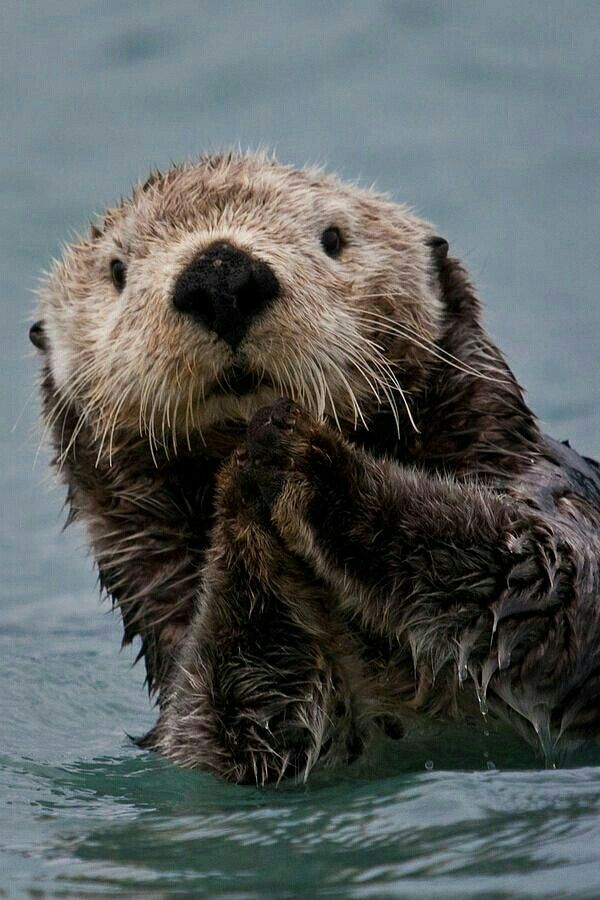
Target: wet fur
x,y
328,571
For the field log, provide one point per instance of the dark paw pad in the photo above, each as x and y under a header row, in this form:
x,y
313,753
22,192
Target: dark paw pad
x,y
278,440
267,432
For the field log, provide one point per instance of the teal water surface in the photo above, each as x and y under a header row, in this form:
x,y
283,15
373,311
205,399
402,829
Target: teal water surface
x,y
484,116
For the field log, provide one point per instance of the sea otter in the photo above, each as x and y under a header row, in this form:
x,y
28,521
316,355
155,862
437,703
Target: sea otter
x,y
311,482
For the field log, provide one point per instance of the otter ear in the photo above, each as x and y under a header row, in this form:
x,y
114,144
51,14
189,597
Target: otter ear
x,y
439,250
37,335
456,288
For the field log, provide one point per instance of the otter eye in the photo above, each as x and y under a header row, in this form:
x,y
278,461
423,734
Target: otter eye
x,y
118,273
331,240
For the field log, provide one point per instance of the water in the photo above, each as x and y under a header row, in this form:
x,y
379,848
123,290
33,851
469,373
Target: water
x,y
484,116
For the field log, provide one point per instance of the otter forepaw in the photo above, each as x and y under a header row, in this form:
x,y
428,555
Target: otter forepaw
x,y
274,431
278,443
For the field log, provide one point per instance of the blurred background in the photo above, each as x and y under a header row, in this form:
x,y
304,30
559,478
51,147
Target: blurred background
x,y
484,116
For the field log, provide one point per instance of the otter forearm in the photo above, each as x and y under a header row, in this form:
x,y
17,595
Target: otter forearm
x,y
251,694
259,691
395,543
390,539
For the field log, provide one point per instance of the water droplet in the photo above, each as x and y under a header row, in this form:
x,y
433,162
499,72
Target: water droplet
x,y
491,765
429,765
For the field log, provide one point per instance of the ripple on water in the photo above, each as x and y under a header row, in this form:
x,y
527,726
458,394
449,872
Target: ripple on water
x,y
133,819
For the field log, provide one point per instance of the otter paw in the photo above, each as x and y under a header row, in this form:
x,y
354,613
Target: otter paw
x,y
272,434
278,441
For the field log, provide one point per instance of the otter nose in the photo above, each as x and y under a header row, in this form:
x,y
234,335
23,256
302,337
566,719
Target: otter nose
x,y
225,288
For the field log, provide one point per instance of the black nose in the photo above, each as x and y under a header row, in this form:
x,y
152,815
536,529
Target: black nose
x,y
225,288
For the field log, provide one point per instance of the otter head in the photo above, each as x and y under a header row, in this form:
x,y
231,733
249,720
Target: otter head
x,y
225,283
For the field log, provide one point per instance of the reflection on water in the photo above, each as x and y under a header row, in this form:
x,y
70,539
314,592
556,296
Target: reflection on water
x,y
131,822
485,118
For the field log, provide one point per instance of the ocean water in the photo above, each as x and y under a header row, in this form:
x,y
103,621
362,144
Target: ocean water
x,y
483,116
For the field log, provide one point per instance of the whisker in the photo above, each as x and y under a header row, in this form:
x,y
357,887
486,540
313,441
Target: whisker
x,y
378,378
34,391
65,398
327,392
391,326
115,417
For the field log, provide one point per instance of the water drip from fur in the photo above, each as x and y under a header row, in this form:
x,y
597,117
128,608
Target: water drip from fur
x,y
480,690
465,646
541,724
490,668
483,705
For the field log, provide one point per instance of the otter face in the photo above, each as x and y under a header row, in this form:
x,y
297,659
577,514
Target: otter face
x,y
223,284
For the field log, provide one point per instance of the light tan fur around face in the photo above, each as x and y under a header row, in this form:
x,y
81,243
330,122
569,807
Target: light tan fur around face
x,y
131,364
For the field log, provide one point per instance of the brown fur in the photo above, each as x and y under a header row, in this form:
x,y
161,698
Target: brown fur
x,y
402,539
